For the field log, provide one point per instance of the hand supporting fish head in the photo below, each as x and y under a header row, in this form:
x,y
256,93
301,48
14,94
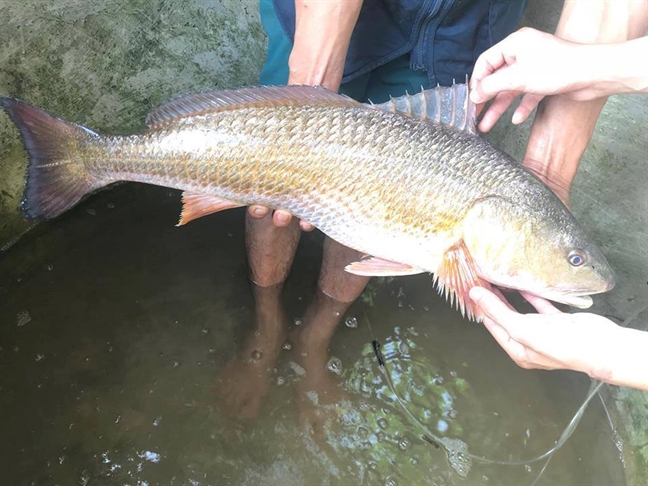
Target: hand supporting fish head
x,y
540,249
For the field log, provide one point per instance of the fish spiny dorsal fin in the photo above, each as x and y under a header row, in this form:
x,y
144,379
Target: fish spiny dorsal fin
x,y
455,277
197,104
445,105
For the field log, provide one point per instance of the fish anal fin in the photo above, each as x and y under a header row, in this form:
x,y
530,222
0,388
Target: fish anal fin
x,y
456,275
377,267
196,206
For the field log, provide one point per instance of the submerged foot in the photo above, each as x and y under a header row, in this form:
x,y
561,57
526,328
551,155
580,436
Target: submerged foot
x,y
247,376
320,389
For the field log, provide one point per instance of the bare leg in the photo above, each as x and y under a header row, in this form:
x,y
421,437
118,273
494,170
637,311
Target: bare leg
x,y
334,281
271,250
337,290
246,378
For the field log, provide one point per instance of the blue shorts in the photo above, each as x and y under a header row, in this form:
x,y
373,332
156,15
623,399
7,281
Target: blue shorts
x,y
391,79
378,65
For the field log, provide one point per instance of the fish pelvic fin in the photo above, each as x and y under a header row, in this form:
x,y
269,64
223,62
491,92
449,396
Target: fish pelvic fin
x,y
377,267
56,178
456,275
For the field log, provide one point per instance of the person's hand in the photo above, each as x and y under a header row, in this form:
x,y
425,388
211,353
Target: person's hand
x,y
554,340
280,218
534,63
549,340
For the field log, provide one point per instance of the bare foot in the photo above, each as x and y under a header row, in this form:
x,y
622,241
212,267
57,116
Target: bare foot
x,y
319,390
318,394
246,379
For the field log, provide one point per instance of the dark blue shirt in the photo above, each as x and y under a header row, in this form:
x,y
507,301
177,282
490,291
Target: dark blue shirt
x,y
443,37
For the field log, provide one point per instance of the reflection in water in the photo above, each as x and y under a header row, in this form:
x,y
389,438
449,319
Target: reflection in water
x,y
130,354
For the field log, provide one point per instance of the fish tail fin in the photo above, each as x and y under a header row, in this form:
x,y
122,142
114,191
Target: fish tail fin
x,y
57,177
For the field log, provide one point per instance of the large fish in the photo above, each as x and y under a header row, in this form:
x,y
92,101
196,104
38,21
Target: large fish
x,y
387,180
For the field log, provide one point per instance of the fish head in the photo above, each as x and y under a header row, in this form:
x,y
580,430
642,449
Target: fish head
x,y
539,248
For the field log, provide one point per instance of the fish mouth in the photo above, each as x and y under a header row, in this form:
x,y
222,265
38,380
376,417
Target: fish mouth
x,y
578,301
574,299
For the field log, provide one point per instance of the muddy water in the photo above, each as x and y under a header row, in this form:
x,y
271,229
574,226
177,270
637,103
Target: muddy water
x,y
118,330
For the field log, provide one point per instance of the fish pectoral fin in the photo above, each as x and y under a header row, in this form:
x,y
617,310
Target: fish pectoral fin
x,y
456,275
196,206
377,267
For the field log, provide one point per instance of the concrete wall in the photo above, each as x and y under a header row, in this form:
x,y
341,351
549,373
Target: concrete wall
x,y
106,63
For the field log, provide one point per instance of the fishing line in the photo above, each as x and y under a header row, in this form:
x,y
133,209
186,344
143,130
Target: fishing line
x,y
450,445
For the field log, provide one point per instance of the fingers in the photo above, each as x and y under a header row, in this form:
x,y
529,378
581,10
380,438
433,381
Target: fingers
x,y
543,306
305,225
496,110
487,64
499,293
526,107
280,218
505,79
257,211
502,337
493,307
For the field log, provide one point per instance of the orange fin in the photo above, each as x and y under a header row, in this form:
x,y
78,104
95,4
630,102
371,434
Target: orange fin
x,y
196,206
377,267
455,277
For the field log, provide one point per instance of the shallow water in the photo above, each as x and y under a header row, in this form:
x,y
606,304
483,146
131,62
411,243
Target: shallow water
x,y
117,327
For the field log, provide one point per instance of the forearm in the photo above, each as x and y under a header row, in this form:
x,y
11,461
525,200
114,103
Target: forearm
x,y
620,68
563,126
625,362
322,34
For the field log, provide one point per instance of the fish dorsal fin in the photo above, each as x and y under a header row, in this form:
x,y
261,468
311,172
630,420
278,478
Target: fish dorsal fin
x,y
454,278
444,105
196,104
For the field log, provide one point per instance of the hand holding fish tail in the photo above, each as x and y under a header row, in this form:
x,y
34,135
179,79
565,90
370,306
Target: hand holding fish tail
x,y
553,340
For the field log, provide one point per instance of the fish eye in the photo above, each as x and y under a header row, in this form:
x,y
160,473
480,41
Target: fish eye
x,y
576,259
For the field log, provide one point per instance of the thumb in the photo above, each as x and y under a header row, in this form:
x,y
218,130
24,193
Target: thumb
x,y
491,305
